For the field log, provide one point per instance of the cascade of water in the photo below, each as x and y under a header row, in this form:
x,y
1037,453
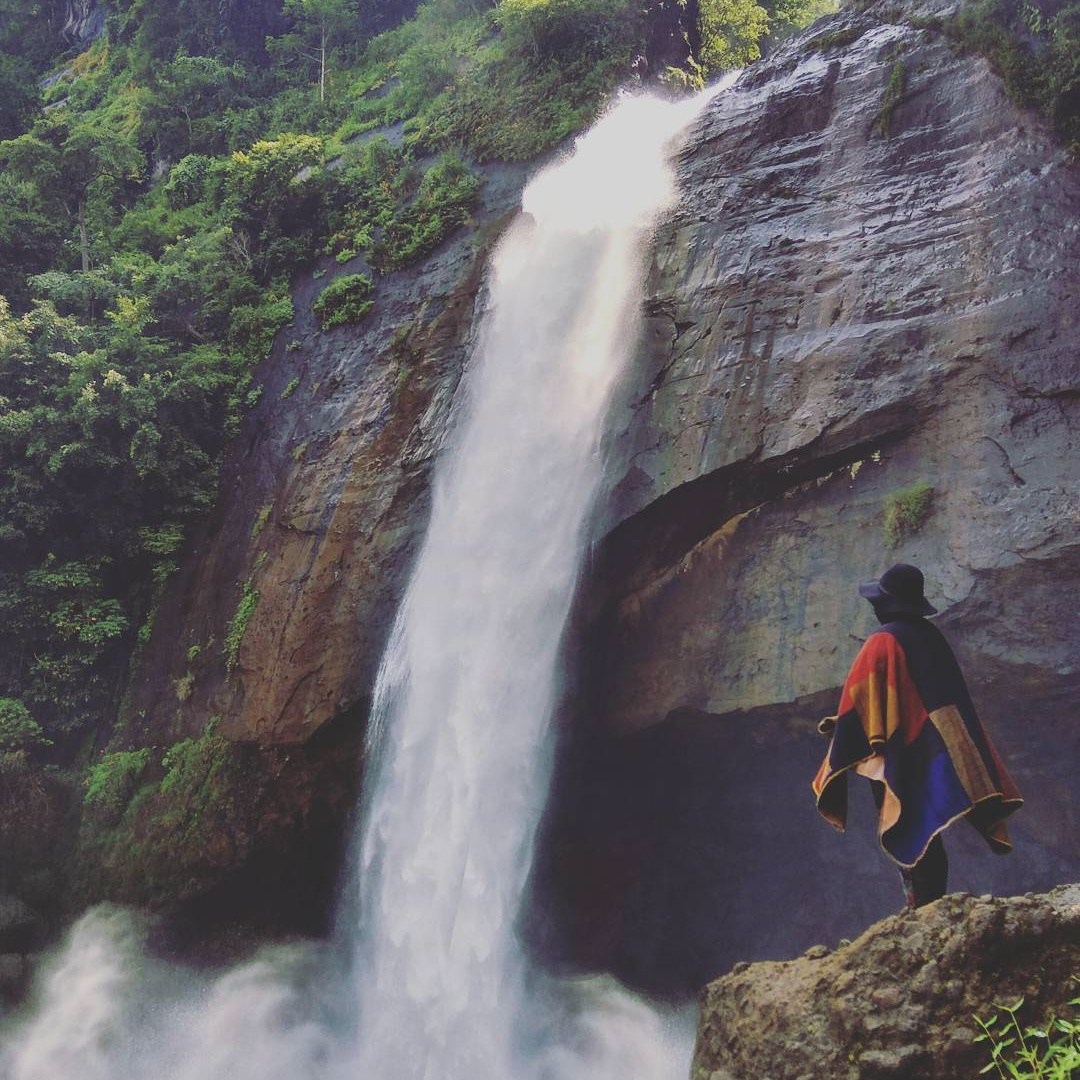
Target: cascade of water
x,y
459,733
470,676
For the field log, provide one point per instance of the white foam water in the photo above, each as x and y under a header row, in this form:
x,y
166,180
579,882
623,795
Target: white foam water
x,y
437,986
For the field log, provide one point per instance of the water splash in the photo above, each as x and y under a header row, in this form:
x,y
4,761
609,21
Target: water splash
x,y
438,987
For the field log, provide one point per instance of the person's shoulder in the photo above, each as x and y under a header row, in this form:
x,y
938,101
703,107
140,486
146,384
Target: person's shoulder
x,y
881,643
908,630
884,637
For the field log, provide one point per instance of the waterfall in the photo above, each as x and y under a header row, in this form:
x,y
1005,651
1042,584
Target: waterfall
x,y
470,677
459,738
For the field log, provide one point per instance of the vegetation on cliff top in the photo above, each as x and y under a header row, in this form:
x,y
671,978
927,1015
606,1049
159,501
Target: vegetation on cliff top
x,y
1035,48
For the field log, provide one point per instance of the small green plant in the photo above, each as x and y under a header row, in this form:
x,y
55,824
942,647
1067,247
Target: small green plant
x,y
345,300
190,763
1049,1052
19,732
238,624
261,518
290,388
891,99
111,782
906,510
184,685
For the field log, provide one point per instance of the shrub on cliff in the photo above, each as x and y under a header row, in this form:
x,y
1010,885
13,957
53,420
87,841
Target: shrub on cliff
x,y
19,732
111,782
385,212
345,300
906,509
1035,48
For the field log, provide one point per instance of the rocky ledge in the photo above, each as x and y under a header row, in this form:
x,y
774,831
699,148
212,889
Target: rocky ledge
x,y
898,1003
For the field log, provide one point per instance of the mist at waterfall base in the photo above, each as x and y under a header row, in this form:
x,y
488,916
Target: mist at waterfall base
x,y
425,979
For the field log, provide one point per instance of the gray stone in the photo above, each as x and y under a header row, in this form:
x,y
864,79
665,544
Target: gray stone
x,y
834,316
20,926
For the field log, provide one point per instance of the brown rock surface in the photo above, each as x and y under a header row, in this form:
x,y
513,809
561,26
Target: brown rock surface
x,y
897,1003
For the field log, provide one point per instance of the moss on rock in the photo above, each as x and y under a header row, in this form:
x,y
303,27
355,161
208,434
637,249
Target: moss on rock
x,y
158,831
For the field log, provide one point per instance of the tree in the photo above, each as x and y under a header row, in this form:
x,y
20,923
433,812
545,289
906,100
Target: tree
x,y
318,26
729,32
192,93
74,166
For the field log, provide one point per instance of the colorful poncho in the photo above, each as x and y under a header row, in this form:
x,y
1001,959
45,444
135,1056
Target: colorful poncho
x,y
905,717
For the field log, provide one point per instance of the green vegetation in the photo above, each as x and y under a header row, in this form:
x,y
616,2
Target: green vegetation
x,y
906,510
345,300
157,827
891,99
238,624
731,32
263,516
286,393
1034,47
111,782
184,685
19,732
1047,1052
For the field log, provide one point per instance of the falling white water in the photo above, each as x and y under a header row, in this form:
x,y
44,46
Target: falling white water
x,y
470,677
459,732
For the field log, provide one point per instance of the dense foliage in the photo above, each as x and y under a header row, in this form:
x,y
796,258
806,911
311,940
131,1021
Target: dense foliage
x,y
159,188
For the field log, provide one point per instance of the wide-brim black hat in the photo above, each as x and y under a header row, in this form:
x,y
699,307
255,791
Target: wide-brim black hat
x,y
901,586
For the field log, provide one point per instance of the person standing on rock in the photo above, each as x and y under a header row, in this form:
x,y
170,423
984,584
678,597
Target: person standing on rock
x,y
906,722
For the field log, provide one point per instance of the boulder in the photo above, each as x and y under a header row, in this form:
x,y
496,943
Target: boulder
x,y
901,1000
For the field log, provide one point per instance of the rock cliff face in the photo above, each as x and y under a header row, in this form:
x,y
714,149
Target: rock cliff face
x,y
865,300
84,20
898,1002
323,501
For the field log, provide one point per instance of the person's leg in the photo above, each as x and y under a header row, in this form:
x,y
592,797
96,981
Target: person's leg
x,y
928,879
